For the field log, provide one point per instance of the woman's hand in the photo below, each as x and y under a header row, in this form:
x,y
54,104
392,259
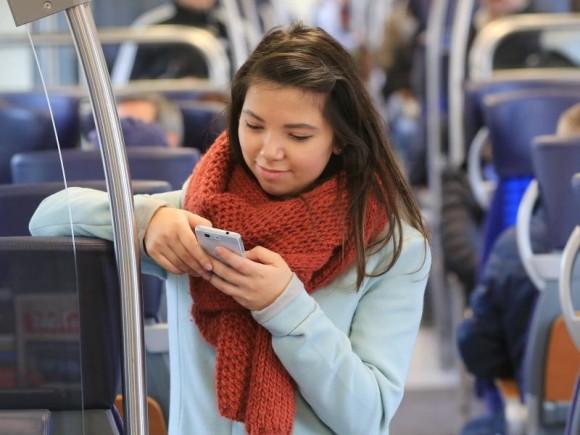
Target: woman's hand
x,y
170,241
255,281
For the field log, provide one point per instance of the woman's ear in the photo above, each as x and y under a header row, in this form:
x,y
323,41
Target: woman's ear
x,y
336,150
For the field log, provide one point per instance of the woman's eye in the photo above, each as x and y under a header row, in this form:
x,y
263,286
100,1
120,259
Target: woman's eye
x,y
300,138
253,126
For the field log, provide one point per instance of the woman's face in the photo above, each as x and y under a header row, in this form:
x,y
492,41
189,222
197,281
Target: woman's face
x,y
285,140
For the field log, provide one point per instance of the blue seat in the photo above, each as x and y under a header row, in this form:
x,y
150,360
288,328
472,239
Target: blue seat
x,y
573,419
173,165
22,130
475,94
64,107
62,332
513,120
555,160
17,204
202,123
19,201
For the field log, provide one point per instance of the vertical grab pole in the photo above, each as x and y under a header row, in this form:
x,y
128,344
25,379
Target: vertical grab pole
x,y
435,162
117,176
124,225
457,64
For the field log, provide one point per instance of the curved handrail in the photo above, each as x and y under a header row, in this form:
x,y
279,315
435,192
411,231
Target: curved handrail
x,y
482,189
566,266
488,39
126,55
205,41
523,219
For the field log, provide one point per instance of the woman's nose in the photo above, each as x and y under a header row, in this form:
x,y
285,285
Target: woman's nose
x,y
272,148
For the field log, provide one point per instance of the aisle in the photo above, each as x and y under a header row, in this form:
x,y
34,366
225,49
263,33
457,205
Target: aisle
x,y
433,400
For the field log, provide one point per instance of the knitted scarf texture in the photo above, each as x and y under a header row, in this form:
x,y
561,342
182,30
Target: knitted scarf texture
x,y
310,232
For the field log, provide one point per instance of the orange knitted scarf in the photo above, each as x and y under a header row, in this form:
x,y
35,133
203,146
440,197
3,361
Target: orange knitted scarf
x,y
310,233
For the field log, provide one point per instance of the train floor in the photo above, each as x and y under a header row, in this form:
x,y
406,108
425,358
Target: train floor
x,y
436,401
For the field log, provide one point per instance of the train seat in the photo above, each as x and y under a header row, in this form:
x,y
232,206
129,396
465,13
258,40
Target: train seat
x,y
17,204
61,332
173,165
202,123
476,92
569,313
513,120
19,201
22,130
64,108
551,360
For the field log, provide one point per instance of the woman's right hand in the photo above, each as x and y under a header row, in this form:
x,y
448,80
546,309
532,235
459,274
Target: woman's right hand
x,y
171,242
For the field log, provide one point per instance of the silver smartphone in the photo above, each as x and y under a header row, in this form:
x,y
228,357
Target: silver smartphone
x,y
209,238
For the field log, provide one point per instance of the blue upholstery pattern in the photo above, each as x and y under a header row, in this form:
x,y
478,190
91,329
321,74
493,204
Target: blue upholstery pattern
x,y
556,160
22,130
64,107
514,119
173,165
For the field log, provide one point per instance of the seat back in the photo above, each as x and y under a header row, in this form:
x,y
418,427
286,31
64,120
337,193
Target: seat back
x,y
555,160
202,123
546,396
475,94
19,201
173,165
64,107
22,130
573,420
60,309
513,120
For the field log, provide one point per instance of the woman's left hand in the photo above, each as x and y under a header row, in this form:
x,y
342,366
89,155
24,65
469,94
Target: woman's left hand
x,y
255,281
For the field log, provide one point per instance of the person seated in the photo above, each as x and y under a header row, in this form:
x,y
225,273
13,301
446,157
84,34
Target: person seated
x,y
492,339
135,133
147,119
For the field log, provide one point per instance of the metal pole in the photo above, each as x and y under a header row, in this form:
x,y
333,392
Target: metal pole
x,y
124,226
435,161
457,66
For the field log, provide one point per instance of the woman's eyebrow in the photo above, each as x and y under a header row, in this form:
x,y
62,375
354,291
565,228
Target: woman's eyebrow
x,y
252,114
297,125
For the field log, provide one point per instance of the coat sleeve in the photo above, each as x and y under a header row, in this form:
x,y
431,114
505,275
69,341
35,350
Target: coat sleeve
x,y
354,382
86,212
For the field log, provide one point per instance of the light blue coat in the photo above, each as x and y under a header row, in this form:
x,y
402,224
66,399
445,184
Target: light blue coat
x,y
348,351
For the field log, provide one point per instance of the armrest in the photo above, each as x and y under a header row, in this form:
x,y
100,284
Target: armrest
x,y
568,312
482,189
523,234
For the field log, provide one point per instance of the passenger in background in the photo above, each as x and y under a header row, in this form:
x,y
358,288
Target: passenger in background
x,y
332,284
149,119
492,341
402,106
173,60
154,107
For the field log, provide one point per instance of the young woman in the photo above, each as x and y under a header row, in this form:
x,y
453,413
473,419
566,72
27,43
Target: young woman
x,y
312,332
